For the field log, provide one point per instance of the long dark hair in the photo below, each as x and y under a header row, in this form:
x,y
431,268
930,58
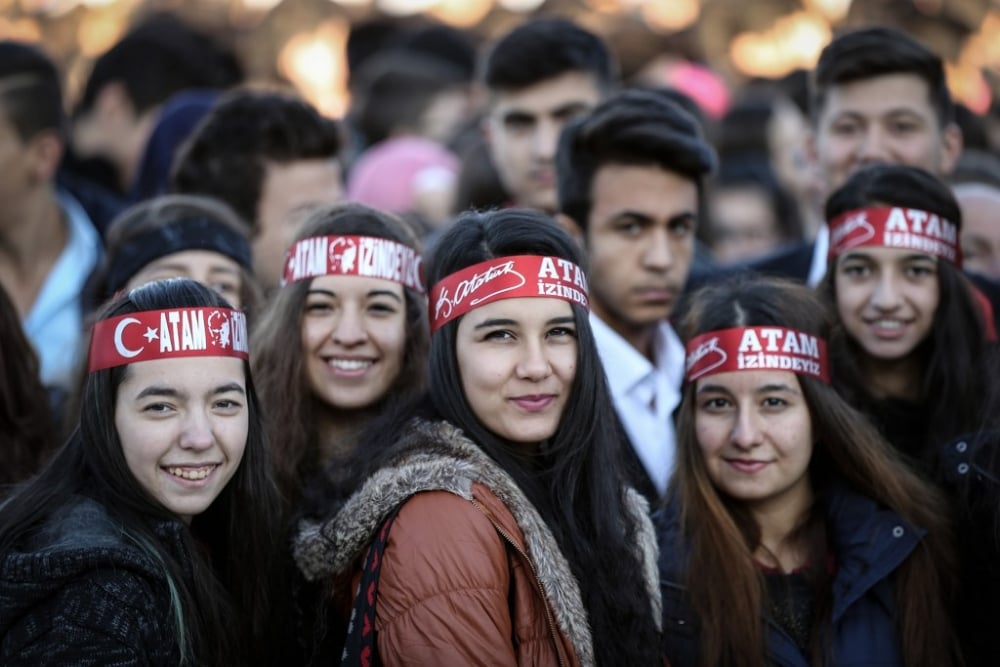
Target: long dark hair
x,y
26,426
725,586
279,360
224,599
959,368
576,481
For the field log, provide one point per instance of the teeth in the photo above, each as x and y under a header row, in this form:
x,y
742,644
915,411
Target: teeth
x,y
888,324
191,473
350,364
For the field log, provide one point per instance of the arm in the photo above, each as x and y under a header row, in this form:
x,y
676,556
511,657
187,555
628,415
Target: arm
x,y
444,585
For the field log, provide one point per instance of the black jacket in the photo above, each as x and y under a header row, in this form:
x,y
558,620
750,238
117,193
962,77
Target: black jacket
x,y
81,593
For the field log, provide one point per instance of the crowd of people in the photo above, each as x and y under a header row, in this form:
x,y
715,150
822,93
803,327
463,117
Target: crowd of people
x,y
518,363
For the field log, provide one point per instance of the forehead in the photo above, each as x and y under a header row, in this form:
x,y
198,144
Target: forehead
x,y
524,311
748,381
354,286
885,256
651,189
571,89
880,96
208,258
980,205
191,375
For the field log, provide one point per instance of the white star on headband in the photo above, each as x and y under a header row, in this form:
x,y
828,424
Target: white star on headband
x,y
150,334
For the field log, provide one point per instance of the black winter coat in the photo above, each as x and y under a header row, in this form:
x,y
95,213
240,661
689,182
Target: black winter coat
x,y
80,593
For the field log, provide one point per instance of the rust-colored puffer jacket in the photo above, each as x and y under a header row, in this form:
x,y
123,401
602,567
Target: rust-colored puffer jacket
x,y
470,574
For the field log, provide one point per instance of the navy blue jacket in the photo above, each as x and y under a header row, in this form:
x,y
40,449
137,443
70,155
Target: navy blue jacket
x,y
869,542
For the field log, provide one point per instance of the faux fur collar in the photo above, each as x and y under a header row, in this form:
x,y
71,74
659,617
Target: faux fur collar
x,y
438,457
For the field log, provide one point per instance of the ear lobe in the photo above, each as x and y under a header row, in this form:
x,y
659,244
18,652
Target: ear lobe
x,y
952,143
570,226
46,154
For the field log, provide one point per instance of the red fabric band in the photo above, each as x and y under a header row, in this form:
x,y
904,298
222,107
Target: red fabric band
x,y
756,349
512,277
363,256
895,227
166,334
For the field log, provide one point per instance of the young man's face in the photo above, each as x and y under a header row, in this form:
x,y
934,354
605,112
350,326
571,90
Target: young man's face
x,y
523,127
885,119
640,239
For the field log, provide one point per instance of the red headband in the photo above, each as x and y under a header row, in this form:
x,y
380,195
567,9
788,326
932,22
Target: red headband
x,y
364,256
895,227
167,334
512,277
755,349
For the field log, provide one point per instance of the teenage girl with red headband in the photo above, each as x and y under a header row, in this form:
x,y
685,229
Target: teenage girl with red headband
x,y
794,535
912,349
514,539
152,536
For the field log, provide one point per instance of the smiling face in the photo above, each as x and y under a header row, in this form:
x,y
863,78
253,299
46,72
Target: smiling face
x,y
886,299
183,427
884,119
210,268
755,434
353,339
517,361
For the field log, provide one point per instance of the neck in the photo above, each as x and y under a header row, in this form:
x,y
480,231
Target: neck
x,y
339,431
898,378
33,234
639,337
779,520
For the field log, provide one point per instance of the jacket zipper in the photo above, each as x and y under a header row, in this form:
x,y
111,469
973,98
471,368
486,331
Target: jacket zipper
x,y
534,573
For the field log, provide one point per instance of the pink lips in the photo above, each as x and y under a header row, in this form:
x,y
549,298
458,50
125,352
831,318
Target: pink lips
x,y
534,403
746,465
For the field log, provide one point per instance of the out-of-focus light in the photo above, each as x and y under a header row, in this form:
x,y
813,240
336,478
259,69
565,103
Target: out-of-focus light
x,y
405,7
352,3
604,6
832,10
261,5
521,5
792,41
315,63
99,31
670,16
22,30
461,13
968,85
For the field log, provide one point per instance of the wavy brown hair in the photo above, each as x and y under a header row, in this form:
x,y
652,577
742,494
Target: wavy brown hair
x,y
279,362
849,451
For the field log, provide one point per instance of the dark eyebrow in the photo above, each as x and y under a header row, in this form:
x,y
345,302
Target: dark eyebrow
x,y
495,323
569,319
857,256
768,388
384,292
324,292
170,392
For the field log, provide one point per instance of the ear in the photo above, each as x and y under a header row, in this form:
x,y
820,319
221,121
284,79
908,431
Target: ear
x,y
46,152
952,144
574,230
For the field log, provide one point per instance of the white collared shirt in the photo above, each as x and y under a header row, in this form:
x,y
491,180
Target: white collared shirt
x,y
645,395
820,249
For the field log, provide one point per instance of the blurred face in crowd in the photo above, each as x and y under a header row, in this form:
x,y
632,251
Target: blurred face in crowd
x,y
523,127
210,268
755,434
353,339
640,240
517,361
980,233
886,299
885,119
744,225
288,192
183,427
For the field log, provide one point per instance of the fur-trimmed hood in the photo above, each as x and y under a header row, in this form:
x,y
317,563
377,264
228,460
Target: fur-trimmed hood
x,y
438,457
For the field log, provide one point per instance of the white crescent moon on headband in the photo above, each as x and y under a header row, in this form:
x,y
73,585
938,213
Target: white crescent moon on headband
x,y
119,345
